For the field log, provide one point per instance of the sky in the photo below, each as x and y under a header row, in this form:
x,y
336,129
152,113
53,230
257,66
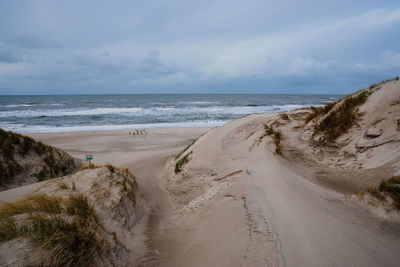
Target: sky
x,y
180,46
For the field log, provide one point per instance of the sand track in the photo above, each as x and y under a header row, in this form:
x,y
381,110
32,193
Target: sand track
x,y
263,215
236,203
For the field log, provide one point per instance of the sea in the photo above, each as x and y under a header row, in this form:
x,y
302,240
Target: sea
x,y
34,114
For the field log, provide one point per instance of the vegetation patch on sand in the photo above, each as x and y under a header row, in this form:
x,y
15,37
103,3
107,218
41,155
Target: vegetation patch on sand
x,y
276,138
128,182
183,151
336,118
339,120
284,116
73,221
62,232
319,111
390,188
181,162
17,152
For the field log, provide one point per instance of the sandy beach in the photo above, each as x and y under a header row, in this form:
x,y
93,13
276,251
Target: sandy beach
x,y
236,195
253,212
145,155
200,133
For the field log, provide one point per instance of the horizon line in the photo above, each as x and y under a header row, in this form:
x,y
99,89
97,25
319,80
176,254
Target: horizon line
x,y
174,94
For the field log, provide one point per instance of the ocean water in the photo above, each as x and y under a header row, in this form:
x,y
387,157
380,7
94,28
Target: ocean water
x,y
29,114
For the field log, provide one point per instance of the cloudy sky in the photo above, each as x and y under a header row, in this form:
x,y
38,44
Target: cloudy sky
x,y
180,46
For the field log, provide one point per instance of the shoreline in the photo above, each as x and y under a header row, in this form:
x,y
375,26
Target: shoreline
x,y
119,148
159,130
69,114
106,128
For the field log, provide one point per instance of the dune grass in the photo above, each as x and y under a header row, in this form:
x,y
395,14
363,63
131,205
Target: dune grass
x,y
318,111
181,162
184,159
390,188
250,134
89,166
67,230
343,117
184,150
284,116
62,185
13,144
129,182
337,121
111,168
276,138
22,142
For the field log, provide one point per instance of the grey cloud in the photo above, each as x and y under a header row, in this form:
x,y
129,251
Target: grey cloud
x,y
202,46
98,64
8,55
30,41
143,67
152,63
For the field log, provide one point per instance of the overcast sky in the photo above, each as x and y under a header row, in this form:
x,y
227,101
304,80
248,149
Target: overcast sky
x,y
180,46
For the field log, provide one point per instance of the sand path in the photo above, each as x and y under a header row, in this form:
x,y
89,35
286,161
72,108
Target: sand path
x,y
268,215
309,226
254,212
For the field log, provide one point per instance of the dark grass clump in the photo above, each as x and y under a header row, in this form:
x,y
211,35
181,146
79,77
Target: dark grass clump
x,y
89,166
342,118
284,116
276,138
7,150
386,188
129,182
66,231
62,185
374,191
319,111
13,145
40,148
392,188
183,151
110,167
9,167
8,170
181,162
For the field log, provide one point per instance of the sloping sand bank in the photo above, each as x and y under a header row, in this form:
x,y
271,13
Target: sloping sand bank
x,y
231,200
236,204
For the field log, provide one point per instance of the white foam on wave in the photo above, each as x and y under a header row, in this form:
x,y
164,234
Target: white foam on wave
x,y
198,102
153,111
19,105
67,112
87,128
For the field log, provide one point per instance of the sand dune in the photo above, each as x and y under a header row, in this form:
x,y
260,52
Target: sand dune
x,y
97,211
231,199
24,161
267,212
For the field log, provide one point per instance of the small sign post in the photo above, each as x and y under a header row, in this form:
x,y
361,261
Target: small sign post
x,y
89,158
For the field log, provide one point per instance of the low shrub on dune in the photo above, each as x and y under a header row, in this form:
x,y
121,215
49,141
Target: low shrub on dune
x,y
386,188
65,232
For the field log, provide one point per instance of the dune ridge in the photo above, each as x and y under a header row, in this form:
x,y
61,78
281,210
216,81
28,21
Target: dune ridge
x,y
96,216
262,190
299,207
24,161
